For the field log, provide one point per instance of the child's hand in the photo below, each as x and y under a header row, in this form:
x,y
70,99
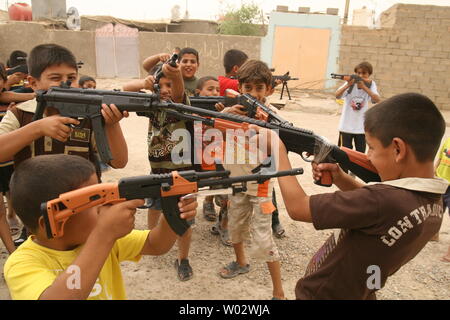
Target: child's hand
x,y
149,83
116,221
220,106
318,169
237,109
164,57
188,208
112,115
171,72
56,127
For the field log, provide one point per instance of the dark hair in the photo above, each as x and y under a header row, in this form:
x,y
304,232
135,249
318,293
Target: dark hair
x,y
47,55
84,79
255,71
188,51
16,58
201,82
412,117
233,58
3,75
44,178
366,66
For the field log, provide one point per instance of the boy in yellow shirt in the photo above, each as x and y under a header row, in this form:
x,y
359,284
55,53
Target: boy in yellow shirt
x,y
85,262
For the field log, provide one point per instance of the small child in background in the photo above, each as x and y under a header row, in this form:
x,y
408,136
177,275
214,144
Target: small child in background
x,y
442,169
209,87
189,63
87,82
232,61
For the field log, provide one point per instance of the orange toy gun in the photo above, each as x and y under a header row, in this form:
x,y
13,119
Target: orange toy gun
x,y
350,77
169,187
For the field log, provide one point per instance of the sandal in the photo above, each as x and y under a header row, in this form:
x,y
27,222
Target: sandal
x,y
233,270
278,230
225,237
14,227
215,229
184,270
209,211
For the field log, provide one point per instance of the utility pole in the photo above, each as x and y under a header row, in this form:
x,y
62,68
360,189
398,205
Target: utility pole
x,y
186,14
347,7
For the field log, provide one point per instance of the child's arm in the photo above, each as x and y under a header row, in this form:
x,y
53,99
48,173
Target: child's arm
x,y
375,97
9,96
174,74
161,239
340,91
141,84
152,61
13,139
113,223
116,140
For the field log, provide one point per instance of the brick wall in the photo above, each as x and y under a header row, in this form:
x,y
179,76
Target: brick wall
x,y
409,53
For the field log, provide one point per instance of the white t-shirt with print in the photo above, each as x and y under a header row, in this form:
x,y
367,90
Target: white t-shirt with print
x,y
352,119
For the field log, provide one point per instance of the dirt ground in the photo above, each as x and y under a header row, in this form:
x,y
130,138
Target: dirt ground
x,y
425,277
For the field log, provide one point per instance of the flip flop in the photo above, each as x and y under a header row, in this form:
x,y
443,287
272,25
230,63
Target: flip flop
x,y
209,212
279,231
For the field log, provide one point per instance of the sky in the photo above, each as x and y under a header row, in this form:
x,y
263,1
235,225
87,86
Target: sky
x,y
212,9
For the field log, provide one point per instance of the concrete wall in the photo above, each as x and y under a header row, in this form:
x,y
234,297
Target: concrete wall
x,y
49,9
25,36
194,26
410,53
305,21
211,47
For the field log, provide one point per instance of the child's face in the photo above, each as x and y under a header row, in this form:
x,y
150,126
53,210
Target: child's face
x,y
210,88
53,76
189,65
89,85
363,73
79,226
257,90
383,158
165,86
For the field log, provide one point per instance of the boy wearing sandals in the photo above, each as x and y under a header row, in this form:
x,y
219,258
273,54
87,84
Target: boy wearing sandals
x,y
250,213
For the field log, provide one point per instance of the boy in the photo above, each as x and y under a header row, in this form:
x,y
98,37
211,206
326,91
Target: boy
x,y
255,205
232,61
189,63
87,82
384,225
22,138
161,144
356,104
84,263
209,87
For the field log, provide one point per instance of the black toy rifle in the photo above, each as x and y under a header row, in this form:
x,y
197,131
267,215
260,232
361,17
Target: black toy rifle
x,y
169,187
159,72
284,80
79,103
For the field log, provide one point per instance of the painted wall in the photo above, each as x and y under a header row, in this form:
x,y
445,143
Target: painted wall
x,y
310,29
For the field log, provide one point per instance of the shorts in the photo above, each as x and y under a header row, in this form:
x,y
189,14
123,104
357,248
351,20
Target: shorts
x,y
5,177
248,223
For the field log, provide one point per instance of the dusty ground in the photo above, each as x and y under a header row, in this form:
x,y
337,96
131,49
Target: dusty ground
x,y
425,277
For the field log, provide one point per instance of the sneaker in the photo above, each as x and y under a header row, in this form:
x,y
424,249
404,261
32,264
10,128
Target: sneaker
x,y
209,212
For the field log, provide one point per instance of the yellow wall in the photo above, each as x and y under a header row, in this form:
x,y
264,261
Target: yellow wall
x,y
303,52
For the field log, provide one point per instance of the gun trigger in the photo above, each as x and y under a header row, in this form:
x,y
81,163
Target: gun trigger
x,y
149,202
267,163
165,186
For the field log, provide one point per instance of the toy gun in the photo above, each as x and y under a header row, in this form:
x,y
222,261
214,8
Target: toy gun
x,y
300,141
169,187
284,79
252,106
159,73
349,78
79,103
23,68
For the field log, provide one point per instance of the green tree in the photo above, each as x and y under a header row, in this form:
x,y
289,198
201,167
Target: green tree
x,y
244,21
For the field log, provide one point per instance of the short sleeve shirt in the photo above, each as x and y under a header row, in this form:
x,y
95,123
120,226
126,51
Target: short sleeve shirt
x,y
32,268
228,83
356,104
382,227
443,170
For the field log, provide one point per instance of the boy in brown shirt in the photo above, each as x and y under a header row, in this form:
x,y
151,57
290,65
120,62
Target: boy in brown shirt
x,y
384,225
